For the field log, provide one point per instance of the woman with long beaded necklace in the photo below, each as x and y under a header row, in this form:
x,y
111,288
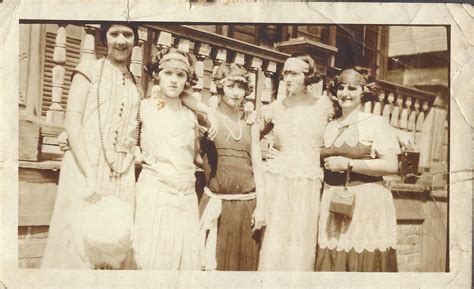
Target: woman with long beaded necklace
x,y
102,127
293,176
232,205
166,232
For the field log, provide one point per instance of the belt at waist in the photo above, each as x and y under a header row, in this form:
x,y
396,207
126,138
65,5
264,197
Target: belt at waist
x,y
339,179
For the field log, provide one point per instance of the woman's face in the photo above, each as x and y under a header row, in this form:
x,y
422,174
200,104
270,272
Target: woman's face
x,y
120,41
294,81
234,93
172,81
349,96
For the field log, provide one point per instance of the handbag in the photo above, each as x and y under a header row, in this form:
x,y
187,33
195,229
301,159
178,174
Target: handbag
x,y
106,232
343,199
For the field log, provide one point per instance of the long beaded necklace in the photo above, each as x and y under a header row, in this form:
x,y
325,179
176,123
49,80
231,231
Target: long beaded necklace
x,y
115,172
231,132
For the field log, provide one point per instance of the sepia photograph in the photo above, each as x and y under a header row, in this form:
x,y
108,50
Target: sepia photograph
x,y
233,147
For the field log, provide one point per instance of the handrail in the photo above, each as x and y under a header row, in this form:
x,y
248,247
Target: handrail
x,y
221,41
407,91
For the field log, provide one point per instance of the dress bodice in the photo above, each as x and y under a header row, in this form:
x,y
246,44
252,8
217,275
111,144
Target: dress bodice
x,y
167,141
228,162
298,135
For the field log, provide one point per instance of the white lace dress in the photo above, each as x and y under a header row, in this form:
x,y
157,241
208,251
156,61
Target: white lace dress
x,y
166,233
293,186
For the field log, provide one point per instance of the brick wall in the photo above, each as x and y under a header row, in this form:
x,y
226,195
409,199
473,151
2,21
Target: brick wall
x,y
31,245
409,240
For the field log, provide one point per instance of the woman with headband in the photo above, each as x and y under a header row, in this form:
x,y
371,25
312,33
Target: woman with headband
x,y
102,126
359,148
293,176
233,206
166,233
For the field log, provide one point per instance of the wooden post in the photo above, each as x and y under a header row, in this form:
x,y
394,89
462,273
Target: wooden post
x,y
394,119
388,107
404,114
220,58
378,104
255,65
55,113
202,51
268,85
88,43
136,64
419,123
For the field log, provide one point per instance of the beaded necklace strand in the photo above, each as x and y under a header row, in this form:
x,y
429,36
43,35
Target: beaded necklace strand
x,y
114,172
231,132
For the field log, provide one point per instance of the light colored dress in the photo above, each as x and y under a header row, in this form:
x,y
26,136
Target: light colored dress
x,y
367,241
119,105
293,186
166,234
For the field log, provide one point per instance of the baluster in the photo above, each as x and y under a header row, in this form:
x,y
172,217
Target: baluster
x,y
239,58
394,119
412,120
378,104
388,106
136,64
202,51
55,113
88,43
183,45
419,122
368,106
268,85
164,41
220,58
255,65
404,115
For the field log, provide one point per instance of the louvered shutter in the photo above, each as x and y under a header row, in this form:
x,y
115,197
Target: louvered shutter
x,y
73,54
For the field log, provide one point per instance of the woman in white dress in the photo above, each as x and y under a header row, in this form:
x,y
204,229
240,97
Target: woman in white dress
x,y
293,177
166,233
102,140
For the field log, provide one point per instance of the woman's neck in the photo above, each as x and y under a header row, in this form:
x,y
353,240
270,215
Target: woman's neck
x,y
122,66
230,112
347,112
173,103
296,98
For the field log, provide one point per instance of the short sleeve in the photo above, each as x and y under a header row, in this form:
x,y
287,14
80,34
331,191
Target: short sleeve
x,y
269,111
385,140
85,68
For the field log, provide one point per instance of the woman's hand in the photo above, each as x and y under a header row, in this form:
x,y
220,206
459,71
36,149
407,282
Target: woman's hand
x,y
63,142
258,218
213,125
93,195
272,153
336,164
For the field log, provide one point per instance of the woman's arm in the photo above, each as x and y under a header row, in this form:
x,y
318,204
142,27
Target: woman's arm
x,y
195,104
73,125
386,165
197,149
258,218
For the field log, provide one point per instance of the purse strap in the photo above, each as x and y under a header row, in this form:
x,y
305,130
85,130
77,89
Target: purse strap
x,y
348,176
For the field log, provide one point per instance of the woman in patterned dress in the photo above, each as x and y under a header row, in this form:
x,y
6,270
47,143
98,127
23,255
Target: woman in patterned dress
x,y
367,145
293,177
101,122
233,200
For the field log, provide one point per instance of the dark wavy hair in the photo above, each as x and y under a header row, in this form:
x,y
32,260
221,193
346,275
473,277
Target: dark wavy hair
x,y
311,76
153,68
104,27
233,69
370,89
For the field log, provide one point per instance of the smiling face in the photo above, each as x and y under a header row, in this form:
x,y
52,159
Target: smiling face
x,y
172,81
349,96
234,93
120,41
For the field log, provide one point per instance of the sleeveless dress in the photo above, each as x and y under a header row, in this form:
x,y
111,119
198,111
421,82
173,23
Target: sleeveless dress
x,y
166,232
228,171
118,108
366,242
293,186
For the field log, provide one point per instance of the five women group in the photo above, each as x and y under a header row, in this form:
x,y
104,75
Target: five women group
x,y
253,215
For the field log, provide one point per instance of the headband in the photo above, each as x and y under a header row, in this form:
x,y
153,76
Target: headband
x,y
296,64
351,76
175,60
234,78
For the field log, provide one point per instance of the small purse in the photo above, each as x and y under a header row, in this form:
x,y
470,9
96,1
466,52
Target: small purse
x,y
343,199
